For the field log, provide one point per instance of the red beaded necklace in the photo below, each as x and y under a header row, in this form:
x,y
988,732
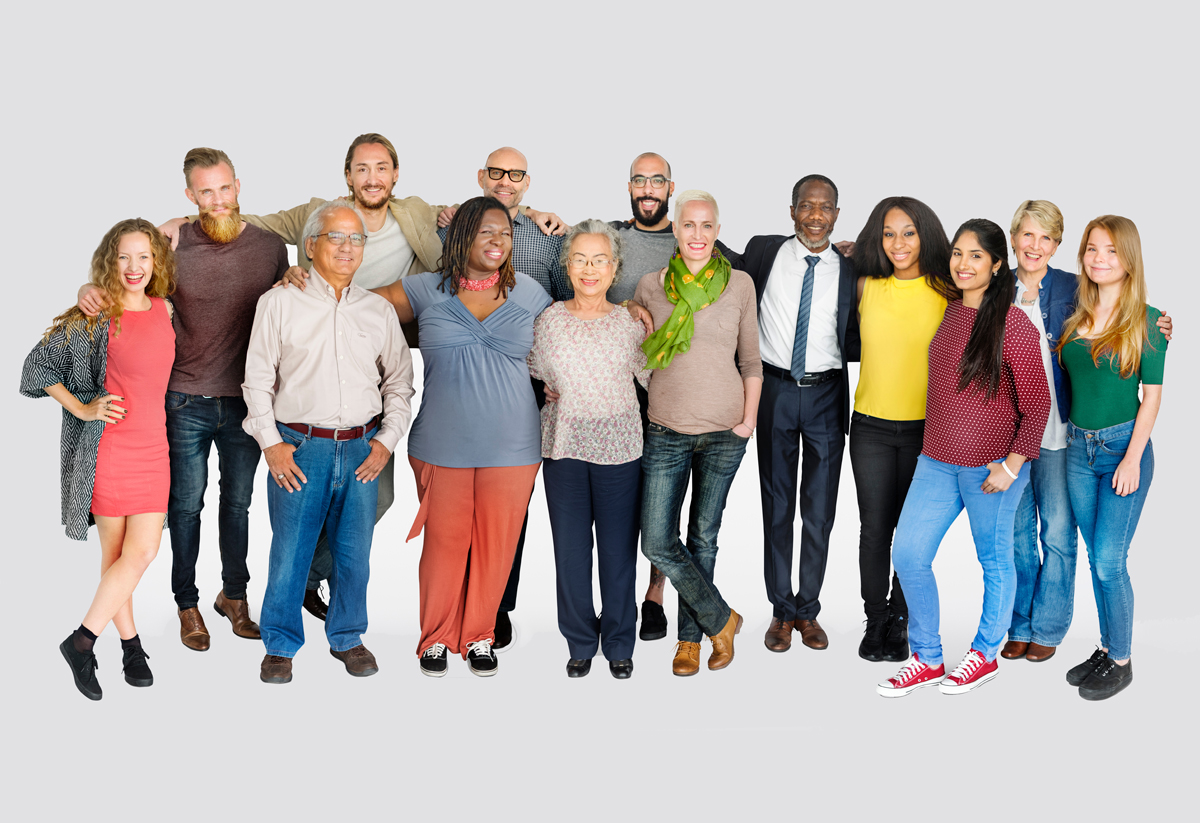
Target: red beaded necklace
x,y
480,285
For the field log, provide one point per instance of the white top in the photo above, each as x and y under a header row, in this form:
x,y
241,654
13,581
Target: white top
x,y
781,303
1055,436
386,258
321,362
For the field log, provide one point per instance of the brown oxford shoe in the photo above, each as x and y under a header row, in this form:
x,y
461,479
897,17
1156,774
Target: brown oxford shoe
x,y
687,659
1038,653
359,662
722,653
1014,649
276,669
812,635
192,630
779,635
238,612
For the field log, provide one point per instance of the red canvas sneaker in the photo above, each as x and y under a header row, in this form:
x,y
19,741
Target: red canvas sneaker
x,y
971,673
912,677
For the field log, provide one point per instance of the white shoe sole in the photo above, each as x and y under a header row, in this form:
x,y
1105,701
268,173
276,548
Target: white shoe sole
x,y
428,673
889,691
481,672
946,687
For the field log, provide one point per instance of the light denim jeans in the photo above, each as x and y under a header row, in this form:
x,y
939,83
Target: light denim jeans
x,y
1107,522
939,491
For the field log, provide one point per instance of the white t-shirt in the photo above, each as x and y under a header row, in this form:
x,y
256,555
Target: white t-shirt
x,y
781,303
1055,437
386,258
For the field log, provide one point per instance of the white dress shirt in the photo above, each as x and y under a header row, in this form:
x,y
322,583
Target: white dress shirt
x,y
321,362
781,303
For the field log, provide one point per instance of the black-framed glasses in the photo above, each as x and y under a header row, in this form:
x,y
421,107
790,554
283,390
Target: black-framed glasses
x,y
657,181
337,238
515,175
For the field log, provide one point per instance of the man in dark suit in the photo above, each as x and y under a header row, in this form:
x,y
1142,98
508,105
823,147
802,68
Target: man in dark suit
x,y
808,330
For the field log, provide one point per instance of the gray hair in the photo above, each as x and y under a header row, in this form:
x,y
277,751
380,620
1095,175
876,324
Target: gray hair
x,y
692,195
593,226
316,220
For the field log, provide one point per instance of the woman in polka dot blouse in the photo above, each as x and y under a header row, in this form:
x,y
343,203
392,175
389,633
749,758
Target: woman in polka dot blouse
x,y
986,409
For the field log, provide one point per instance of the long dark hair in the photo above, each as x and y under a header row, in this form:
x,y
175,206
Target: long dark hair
x,y
933,259
460,237
983,360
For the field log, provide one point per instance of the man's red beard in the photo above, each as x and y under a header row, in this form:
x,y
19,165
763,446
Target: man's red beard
x,y
223,228
380,201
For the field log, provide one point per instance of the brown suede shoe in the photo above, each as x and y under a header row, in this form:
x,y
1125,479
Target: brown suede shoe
x,y
779,635
192,630
1038,653
1014,649
687,659
238,612
722,653
359,662
276,669
812,635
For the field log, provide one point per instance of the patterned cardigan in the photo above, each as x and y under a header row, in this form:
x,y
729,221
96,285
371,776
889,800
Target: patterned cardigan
x,y
79,362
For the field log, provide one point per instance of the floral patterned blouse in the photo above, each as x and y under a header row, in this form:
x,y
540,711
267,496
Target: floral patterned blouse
x,y
592,365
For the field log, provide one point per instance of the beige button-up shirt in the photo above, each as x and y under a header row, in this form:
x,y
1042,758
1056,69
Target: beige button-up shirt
x,y
323,362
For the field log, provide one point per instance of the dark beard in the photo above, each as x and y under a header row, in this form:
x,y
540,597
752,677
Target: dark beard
x,y
223,229
653,219
384,197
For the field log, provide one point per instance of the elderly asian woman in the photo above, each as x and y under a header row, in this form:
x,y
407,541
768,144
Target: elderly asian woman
x,y
588,352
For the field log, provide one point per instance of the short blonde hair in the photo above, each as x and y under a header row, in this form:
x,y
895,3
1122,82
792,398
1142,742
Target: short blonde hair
x,y
692,195
1044,213
204,158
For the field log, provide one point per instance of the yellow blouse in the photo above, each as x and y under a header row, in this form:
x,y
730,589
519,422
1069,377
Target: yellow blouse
x,y
898,319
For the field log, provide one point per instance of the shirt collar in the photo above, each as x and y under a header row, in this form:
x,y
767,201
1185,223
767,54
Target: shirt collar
x,y
802,251
326,290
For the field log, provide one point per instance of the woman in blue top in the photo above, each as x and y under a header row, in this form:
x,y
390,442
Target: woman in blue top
x,y
475,446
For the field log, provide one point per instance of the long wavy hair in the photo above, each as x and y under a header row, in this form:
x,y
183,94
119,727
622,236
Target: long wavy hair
x,y
933,260
982,362
106,276
460,237
1125,336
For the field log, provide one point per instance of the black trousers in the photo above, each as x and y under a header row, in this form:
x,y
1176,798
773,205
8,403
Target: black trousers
x,y
795,422
883,455
509,602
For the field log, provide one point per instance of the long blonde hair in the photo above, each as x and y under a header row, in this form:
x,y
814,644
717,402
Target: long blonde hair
x,y
1126,333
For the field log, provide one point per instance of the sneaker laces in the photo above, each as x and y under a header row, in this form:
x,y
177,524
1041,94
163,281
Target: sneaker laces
x,y
131,656
876,629
435,651
910,670
967,668
483,647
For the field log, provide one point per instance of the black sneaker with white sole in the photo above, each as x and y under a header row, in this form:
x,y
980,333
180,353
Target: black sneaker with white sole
x,y
434,662
481,660
1077,674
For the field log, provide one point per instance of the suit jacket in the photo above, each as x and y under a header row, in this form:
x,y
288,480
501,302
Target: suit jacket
x,y
759,259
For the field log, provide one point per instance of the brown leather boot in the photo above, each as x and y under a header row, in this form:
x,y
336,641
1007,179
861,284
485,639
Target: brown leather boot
x,y
1014,649
779,635
722,653
238,612
687,659
1038,653
192,630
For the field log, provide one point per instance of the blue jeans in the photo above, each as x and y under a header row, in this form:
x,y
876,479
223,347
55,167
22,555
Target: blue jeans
x,y
194,424
669,460
1045,598
1107,522
939,491
332,498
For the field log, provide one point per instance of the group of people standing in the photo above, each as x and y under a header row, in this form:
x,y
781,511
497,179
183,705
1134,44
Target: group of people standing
x,y
629,360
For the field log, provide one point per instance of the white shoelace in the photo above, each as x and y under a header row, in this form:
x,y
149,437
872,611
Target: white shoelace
x,y
910,671
436,650
967,667
483,647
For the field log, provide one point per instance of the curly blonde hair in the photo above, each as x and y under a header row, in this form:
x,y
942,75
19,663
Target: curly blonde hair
x,y
106,276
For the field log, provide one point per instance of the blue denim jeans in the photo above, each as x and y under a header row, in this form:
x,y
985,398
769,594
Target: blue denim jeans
x,y
669,461
1107,523
194,424
1045,598
332,498
939,491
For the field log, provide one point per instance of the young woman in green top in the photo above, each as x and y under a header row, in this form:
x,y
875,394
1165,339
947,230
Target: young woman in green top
x,y
1108,346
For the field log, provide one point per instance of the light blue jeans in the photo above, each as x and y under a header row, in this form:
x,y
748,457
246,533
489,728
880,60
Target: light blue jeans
x,y
1107,522
1045,598
939,491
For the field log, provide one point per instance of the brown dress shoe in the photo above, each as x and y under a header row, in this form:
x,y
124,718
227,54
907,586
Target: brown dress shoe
x,y
276,669
722,653
238,612
812,635
1014,649
687,659
359,662
779,636
192,630
1038,653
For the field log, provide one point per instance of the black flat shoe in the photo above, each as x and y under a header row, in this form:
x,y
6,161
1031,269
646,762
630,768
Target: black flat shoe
x,y
871,647
133,663
578,668
621,669
654,621
83,669
503,633
1106,680
314,605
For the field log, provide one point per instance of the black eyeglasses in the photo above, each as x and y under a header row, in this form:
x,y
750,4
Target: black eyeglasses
x,y
657,181
337,238
515,175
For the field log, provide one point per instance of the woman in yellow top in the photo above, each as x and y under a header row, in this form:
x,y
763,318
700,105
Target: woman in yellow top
x,y
903,259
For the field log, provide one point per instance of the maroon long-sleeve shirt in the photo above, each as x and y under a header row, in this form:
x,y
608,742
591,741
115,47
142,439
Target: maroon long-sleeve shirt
x,y
960,427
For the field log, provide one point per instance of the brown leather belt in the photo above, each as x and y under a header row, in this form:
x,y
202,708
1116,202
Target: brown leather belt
x,y
352,433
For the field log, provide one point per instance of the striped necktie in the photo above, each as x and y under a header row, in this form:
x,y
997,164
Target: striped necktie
x,y
800,345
